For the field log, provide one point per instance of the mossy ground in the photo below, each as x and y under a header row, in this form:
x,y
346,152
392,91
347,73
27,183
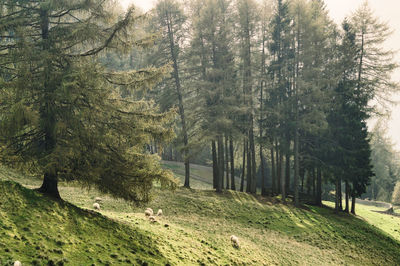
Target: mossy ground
x,y
200,223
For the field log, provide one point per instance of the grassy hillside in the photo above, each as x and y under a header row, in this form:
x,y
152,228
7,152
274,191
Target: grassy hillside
x,y
39,231
194,230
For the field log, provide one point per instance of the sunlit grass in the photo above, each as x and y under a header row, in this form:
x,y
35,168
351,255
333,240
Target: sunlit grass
x,y
200,223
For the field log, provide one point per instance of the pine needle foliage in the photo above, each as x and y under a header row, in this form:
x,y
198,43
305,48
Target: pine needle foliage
x,y
61,113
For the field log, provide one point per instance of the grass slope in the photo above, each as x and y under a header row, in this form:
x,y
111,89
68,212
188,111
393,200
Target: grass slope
x,y
40,231
199,225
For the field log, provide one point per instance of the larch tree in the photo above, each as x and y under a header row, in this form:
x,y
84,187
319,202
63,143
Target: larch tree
x,y
214,78
280,69
312,77
169,19
247,27
62,116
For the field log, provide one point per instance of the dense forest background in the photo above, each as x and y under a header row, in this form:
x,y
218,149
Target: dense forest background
x,y
276,94
272,94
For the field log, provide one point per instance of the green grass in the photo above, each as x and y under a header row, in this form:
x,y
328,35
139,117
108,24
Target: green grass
x,y
201,176
39,231
200,223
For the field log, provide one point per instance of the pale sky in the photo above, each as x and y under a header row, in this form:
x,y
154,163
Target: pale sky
x,y
387,10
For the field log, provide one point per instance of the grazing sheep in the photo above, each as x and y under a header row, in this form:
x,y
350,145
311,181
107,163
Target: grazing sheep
x,y
235,241
96,206
148,212
17,263
152,219
98,199
159,213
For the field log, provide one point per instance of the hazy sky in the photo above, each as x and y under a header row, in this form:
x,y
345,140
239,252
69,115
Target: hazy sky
x,y
387,10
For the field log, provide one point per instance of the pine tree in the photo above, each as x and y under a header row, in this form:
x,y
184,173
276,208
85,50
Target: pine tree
x,y
63,116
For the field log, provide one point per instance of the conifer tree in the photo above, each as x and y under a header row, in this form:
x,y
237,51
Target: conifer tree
x,y
62,116
169,20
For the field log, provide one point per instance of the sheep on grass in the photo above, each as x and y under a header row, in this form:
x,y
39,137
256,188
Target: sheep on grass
x,y
96,206
235,241
152,219
98,199
17,263
148,212
159,213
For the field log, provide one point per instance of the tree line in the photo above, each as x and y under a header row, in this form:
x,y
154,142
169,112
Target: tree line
x,y
273,91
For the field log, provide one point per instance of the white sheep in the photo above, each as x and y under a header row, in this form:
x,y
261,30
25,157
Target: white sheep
x,y
148,212
17,263
235,241
152,219
98,199
96,206
159,213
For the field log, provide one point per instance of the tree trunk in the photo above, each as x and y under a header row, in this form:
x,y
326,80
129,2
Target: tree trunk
x,y
273,176
253,185
47,116
233,185
174,57
227,162
283,186
296,168
318,198
313,183
249,178
278,167
347,196
215,164
50,186
220,183
263,190
353,205
337,195
340,195
287,170
243,165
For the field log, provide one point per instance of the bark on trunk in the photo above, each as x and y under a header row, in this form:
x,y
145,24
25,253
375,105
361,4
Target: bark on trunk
x,y
263,190
287,171
347,196
227,162
249,178
243,165
215,164
296,168
283,186
278,168
353,205
220,164
233,185
50,186
253,185
174,56
337,184
273,176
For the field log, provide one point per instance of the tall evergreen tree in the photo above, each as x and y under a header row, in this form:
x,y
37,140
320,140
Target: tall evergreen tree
x,y
169,19
62,116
